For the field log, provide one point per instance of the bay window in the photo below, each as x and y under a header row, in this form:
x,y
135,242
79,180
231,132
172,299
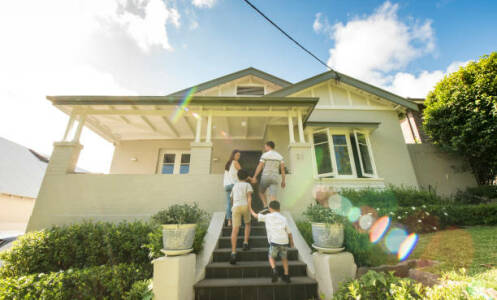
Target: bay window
x,y
342,153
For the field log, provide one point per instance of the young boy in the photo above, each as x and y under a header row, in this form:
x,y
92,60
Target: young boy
x,y
279,237
241,198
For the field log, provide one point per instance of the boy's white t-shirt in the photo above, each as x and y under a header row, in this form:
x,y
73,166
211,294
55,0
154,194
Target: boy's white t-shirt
x,y
239,193
276,227
272,161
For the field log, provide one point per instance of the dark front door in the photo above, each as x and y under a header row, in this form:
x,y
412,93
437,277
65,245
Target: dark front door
x,y
249,161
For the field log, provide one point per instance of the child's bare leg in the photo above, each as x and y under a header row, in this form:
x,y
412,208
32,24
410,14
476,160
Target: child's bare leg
x,y
272,263
263,199
247,233
234,237
285,265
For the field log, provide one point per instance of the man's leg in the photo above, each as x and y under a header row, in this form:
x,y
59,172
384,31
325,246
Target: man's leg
x,y
262,195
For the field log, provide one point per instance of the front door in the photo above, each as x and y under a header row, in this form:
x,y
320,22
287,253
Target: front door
x,y
249,161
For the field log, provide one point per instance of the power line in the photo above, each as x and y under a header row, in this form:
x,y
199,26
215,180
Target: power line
x,y
288,36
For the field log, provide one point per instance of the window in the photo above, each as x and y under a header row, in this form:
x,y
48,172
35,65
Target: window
x,y
365,155
250,90
342,153
174,162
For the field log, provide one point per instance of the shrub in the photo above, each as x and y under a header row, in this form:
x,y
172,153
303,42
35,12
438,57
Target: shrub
x,y
449,215
477,195
392,197
141,290
319,214
365,253
181,214
77,246
373,285
102,282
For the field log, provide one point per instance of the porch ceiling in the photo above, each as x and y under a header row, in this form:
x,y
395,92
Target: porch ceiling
x,y
118,118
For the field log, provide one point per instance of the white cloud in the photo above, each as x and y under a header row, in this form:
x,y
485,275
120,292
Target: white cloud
x,y
410,85
204,3
45,51
377,47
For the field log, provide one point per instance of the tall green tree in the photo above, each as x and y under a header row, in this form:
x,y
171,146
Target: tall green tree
x,y
461,115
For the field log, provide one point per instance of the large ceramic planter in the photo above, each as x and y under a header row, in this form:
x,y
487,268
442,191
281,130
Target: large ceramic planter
x,y
178,236
327,235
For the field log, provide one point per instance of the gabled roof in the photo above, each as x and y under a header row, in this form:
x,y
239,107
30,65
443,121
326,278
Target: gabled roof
x,y
233,76
21,169
306,83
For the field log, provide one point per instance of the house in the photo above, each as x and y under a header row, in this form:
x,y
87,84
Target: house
x,y
412,124
331,129
21,174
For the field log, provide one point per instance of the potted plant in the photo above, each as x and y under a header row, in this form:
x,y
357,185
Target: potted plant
x,y
327,227
178,227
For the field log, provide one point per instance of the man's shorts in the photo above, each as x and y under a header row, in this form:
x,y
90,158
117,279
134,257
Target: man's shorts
x,y
269,183
276,250
239,212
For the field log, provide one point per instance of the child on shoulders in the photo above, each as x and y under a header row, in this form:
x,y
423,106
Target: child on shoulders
x,y
279,238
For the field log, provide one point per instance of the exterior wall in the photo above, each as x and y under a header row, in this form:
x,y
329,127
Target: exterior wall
x,y
14,212
444,172
146,152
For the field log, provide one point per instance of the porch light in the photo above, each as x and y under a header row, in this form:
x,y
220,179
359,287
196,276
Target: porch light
x,y
244,123
134,159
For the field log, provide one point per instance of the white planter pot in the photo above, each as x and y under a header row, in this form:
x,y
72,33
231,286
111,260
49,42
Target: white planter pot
x,y
178,236
327,235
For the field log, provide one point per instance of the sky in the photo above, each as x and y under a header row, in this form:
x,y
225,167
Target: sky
x,y
154,47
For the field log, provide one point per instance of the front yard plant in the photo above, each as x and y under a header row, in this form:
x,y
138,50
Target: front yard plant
x,y
327,226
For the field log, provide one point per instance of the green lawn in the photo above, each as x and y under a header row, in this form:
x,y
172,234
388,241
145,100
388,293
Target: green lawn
x,y
472,248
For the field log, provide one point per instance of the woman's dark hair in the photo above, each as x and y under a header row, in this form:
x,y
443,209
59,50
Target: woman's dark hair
x,y
232,157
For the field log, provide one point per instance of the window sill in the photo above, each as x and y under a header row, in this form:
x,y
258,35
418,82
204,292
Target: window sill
x,y
352,182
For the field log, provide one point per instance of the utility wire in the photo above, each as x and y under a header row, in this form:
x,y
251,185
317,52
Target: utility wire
x,y
288,36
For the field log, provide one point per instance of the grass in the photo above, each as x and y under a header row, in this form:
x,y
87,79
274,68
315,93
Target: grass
x,y
472,248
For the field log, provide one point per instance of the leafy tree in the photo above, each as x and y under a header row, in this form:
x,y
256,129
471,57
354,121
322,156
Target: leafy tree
x,y
461,115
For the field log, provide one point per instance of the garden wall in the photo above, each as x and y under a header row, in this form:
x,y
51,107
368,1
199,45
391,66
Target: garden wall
x,y
444,172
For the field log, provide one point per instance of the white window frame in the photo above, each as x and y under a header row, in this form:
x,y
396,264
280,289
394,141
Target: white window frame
x,y
177,160
370,152
330,132
249,85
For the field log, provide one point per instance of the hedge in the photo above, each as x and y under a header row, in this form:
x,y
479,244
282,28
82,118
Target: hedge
x,y
102,282
78,246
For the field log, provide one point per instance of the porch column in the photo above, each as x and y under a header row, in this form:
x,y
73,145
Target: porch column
x,y
69,127
290,128
208,134
198,131
301,127
79,129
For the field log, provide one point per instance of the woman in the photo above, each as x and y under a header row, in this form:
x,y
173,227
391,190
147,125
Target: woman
x,y
230,178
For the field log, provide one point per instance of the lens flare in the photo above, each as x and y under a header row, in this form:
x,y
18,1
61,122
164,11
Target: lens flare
x,y
379,229
342,205
366,221
354,214
178,113
394,239
407,246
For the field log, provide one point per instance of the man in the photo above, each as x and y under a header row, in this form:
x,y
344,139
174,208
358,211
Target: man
x,y
270,164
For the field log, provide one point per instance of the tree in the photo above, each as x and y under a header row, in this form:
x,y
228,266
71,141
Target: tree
x,y
461,115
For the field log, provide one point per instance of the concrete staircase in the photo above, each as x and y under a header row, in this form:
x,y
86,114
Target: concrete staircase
x,y
250,278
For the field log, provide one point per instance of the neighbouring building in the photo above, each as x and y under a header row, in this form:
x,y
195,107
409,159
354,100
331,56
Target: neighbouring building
x,y
21,174
331,129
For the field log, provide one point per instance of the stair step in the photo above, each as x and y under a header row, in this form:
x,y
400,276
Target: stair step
x,y
254,241
254,254
255,230
301,288
245,269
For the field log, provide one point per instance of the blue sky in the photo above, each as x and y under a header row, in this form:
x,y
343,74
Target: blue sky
x,y
155,46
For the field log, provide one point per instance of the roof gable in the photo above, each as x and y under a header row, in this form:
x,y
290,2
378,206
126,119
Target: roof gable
x,y
306,83
233,76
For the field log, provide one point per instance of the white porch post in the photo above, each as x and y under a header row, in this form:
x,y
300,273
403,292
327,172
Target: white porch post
x,y
290,128
208,135
69,127
301,127
79,129
198,132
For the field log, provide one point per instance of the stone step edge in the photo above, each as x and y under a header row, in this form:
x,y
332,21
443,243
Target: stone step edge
x,y
248,282
251,264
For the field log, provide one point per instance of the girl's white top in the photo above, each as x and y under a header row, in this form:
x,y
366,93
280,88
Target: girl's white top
x,y
231,177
